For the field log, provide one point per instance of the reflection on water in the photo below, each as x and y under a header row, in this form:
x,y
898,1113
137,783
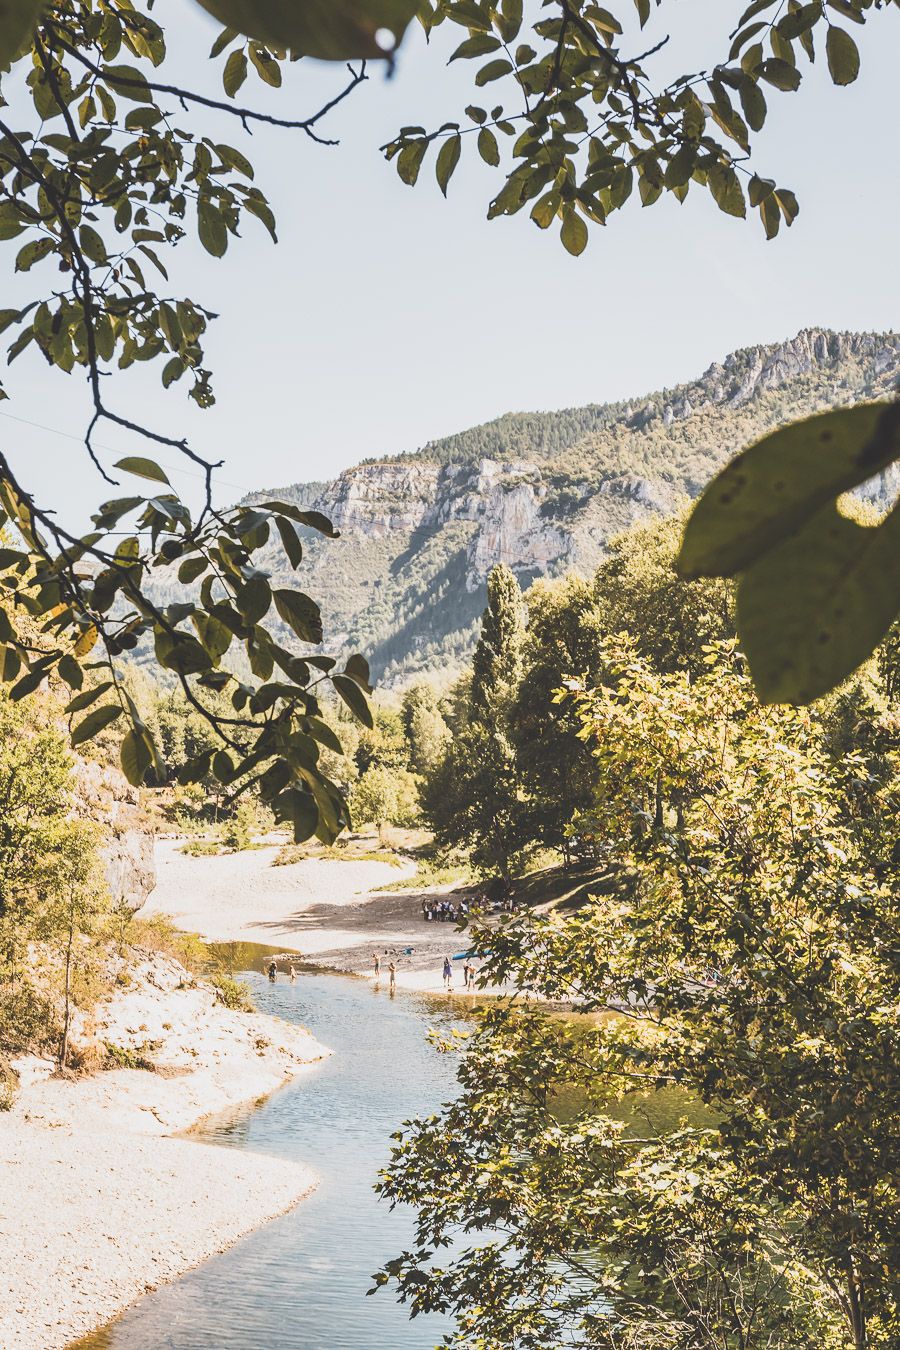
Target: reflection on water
x,y
300,1282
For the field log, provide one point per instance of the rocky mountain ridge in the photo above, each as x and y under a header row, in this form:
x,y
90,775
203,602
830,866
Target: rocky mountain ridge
x,y
544,492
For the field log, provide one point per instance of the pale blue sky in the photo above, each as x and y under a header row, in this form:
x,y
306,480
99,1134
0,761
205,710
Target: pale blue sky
x,y
387,317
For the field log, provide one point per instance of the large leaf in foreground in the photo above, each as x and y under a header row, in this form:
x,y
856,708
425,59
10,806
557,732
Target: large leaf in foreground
x,y
334,30
815,606
17,20
772,489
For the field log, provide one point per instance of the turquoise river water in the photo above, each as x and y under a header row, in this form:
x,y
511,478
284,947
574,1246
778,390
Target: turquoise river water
x,y
300,1283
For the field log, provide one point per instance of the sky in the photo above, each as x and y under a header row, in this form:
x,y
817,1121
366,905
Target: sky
x,y
387,317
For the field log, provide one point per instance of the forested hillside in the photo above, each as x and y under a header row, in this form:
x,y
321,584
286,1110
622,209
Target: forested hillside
x,y
544,492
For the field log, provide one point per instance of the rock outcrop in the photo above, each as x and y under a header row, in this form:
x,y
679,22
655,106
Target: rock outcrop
x,y
104,795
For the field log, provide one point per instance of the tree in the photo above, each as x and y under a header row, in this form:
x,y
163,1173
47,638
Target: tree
x,y
497,661
385,795
553,762
35,796
705,1160
670,620
472,796
73,896
427,733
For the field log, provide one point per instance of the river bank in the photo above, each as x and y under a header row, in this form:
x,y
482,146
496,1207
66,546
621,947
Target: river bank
x,y
334,913
98,1202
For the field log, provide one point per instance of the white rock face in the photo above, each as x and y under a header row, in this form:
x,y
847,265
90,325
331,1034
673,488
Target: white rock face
x,y
502,498
104,795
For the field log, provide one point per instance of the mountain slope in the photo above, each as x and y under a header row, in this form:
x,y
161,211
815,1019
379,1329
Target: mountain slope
x,y
544,492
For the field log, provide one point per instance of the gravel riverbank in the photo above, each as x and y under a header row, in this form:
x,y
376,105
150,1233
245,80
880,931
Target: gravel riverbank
x,y
98,1203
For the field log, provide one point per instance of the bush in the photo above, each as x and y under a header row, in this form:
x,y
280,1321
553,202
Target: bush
x,y
130,1057
233,994
240,828
9,1083
28,1020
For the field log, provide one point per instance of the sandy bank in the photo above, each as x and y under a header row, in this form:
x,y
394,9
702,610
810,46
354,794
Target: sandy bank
x,y
335,913
98,1203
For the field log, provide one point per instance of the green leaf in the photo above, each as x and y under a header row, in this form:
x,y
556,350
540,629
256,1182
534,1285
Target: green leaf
x,y
191,569
357,668
487,147
211,228
409,160
290,540
815,606
253,599
33,252
323,733
843,56
235,160
782,481
136,756
10,664
69,670
301,613
333,30
142,468
300,809
447,160
780,74
267,67
354,698
28,683
89,696
129,82
726,190
314,519
18,19
574,232
235,72
479,44
753,103
493,70
95,722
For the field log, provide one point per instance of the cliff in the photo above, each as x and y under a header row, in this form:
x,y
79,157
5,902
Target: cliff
x,y
545,491
104,795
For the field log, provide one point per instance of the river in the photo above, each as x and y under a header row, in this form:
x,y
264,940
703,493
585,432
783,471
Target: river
x,y
300,1282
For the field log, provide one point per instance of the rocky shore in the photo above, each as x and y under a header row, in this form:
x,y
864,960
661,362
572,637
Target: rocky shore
x,y
98,1202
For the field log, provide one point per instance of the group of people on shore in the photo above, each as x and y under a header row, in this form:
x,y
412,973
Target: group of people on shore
x,y
468,974
443,911
468,971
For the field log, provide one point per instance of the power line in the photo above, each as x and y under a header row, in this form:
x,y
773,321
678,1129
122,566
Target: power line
x,y
67,435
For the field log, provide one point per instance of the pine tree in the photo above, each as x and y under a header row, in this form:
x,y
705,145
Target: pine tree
x,y
472,799
497,663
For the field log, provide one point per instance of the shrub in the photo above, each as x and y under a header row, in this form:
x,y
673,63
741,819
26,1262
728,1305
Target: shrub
x,y
233,994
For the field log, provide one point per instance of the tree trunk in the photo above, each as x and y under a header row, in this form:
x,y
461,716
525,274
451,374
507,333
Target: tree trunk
x,y
857,1310
64,1042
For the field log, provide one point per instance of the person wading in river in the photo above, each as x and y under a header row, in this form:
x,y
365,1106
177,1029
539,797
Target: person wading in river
x,y
376,964
273,971
392,976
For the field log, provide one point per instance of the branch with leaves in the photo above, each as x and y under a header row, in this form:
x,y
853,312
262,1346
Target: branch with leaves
x,y
95,189
590,124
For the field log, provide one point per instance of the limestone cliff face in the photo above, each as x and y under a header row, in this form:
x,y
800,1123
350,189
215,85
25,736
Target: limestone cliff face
x,y
502,499
545,492
104,795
